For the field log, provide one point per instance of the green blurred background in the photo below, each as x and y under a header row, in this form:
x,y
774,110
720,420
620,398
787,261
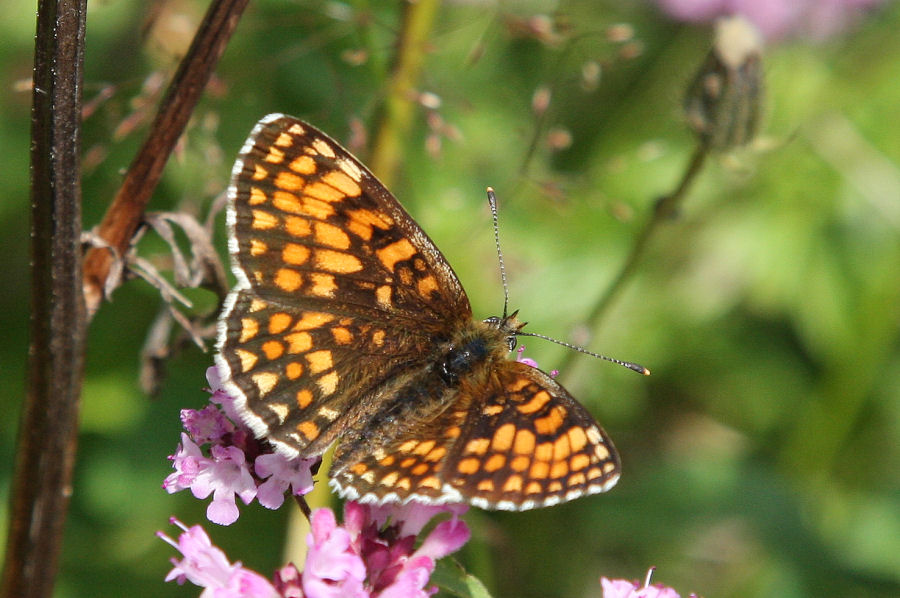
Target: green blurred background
x,y
761,458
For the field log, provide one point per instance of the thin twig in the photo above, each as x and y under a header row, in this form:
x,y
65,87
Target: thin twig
x,y
665,209
124,215
47,440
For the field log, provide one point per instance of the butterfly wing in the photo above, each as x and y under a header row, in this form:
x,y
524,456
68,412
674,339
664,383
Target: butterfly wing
x,y
338,289
519,441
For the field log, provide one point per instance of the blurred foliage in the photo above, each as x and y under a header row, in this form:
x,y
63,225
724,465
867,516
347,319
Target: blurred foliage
x,y
761,458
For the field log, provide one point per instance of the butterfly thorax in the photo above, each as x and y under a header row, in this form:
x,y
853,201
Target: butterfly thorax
x,y
422,394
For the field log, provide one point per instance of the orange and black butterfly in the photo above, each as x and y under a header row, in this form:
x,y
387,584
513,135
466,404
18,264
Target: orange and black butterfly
x,y
348,325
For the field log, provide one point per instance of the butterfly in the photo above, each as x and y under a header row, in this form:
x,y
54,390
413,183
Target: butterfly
x,y
347,325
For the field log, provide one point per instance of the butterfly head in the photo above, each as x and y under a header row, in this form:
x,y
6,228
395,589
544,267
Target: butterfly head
x,y
509,325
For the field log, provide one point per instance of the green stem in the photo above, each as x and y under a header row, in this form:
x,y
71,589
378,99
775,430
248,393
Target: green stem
x,y
665,210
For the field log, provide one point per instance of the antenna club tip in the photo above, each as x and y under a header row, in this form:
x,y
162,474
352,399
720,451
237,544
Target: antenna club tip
x,y
646,371
490,189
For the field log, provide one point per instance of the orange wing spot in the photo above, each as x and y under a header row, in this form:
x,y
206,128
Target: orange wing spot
x,y
275,156
495,462
323,285
544,451
536,403
298,342
427,286
388,461
317,209
257,305
579,462
248,359
378,338
594,435
309,430
361,222
403,484
594,473
323,147
257,196
559,469
288,181
513,484
323,192
408,462
492,410
383,295
436,454
524,443
331,236
312,320
533,488
408,446
554,487
259,173
576,479
265,382
342,182
303,165
257,247
294,370
452,432
328,383
430,482
337,261
262,220
468,466
319,361
477,446
539,470
518,385
288,280
294,254
284,140
341,335
424,447
551,423
486,485
288,202
520,463
577,438
359,468
609,467
503,438
390,479
249,329
297,227
395,252
304,398
273,349
297,129
420,469
561,448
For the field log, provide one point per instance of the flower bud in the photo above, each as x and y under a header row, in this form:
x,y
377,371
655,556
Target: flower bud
x,y
723,103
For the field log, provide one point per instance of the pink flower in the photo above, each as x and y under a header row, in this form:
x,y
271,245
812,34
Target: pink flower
x,y
207,566
776,19
282,473
622,588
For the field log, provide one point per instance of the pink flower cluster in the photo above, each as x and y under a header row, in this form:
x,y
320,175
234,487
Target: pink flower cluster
x,y
234,463
372,555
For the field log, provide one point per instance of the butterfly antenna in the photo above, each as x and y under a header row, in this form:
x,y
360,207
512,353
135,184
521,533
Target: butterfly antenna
x,y
628,364
492,200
